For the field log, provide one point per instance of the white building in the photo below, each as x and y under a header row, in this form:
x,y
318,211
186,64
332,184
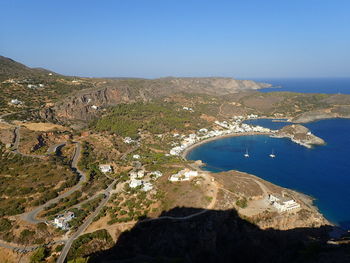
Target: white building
x,y
252,116
136,156
128,140
61,221
94,107
183,175
187,108
147,187
16,102
155,174
283,204
135,183
140,173
105,168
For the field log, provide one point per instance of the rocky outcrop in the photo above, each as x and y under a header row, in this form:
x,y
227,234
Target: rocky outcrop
x,y
303,218
299,134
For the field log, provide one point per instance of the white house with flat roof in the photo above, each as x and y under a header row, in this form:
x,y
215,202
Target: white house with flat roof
x,y
283,204
105,168
135,183
147,187
61,221
136,156
183,175
16,102
128,140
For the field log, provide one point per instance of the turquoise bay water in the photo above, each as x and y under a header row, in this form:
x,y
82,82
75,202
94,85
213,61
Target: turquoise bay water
x,y
322,172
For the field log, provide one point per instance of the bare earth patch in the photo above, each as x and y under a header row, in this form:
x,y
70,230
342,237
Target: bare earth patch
x,y
41,126
8,256
4,126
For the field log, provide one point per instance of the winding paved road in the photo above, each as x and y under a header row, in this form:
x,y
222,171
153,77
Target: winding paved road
x,y
87,222
31,215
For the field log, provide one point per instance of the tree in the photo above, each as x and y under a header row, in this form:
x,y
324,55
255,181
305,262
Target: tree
x,y
39,255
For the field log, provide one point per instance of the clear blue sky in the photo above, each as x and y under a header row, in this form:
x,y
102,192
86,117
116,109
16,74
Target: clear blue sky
x,y
155,38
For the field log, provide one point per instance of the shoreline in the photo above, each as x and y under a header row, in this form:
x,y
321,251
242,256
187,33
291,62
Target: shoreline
x,y
185,152
307,199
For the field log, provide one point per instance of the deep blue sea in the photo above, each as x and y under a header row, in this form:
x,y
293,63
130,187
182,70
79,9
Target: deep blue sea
x,y
322,172
309,85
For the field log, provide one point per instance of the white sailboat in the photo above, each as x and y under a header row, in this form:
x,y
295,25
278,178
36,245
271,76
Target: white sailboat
x,y
272,155
246,153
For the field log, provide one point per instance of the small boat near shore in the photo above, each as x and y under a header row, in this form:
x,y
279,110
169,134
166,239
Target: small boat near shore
x,y
272,155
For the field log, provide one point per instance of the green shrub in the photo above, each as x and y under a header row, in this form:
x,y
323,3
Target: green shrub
x,y
39,255
242,202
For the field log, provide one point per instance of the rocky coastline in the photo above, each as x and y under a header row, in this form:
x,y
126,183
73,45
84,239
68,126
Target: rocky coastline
x,y
307,216
300,135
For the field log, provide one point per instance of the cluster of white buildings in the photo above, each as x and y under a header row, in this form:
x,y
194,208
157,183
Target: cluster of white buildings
x,y
183,175
145,184
283,204
62,221
236,126
226,128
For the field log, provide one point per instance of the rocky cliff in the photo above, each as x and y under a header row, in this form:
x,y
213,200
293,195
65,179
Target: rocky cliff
x,y
87,104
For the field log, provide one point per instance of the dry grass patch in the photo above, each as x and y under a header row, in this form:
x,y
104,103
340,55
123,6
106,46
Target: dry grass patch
x,y
184,194
8,256
41,126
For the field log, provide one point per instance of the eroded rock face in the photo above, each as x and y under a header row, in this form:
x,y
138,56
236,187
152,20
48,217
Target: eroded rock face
x,y
85,106
300,134
88,104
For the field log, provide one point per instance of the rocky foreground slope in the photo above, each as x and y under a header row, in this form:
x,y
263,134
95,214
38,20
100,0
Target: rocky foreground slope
x,y
218,236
